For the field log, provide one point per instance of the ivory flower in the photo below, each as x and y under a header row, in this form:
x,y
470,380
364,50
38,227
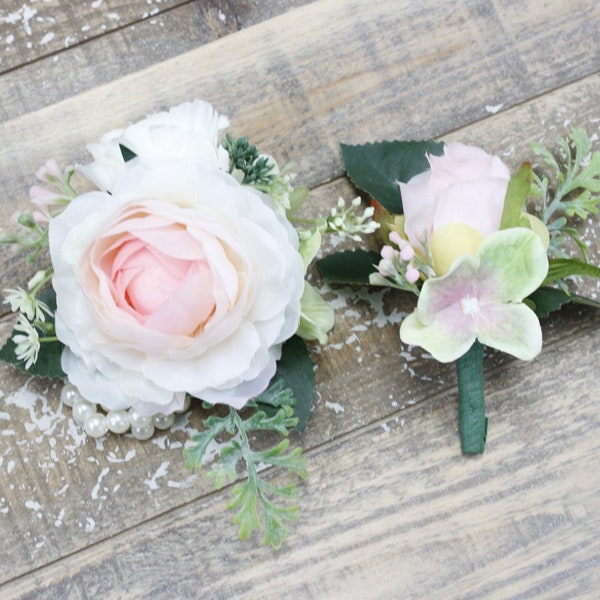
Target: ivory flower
x,y
481,298
180,281
189,131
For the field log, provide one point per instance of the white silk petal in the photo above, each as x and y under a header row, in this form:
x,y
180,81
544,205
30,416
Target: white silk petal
x,y
442,338
512,328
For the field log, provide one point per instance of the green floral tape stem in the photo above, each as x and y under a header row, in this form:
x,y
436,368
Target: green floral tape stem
x,y
472,421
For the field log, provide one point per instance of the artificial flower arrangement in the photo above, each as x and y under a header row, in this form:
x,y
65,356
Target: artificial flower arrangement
x,y
486,254
181,276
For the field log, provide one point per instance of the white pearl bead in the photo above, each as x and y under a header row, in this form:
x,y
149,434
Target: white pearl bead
x,y
95,425
69,394
138,420
163,421
186,405
142,432
81,409
118,421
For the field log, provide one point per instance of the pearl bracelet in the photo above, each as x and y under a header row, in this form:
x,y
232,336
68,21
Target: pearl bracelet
x,y
96,424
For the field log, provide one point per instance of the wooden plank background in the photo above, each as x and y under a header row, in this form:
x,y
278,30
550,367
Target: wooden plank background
x,y
97,42
390,508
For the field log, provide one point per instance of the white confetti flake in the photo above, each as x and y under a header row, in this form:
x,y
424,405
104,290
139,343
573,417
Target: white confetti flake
x,y
47,38
493,108
160,472
338,408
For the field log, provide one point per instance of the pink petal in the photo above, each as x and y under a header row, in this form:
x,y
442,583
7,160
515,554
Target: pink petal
x,y
475,203
418,202
186,310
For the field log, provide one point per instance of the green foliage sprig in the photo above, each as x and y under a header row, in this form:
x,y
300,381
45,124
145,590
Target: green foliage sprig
x,y
237,454
571,190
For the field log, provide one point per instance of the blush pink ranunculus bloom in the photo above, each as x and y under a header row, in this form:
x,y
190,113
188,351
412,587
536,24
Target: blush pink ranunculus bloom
x,y
180,281
465,186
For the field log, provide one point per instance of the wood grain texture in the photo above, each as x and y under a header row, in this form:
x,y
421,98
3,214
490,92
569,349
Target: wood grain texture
x,y
136,42
31,30
311,98
390,508
392,511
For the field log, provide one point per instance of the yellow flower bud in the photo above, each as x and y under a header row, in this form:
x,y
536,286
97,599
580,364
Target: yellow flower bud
x,y
451,241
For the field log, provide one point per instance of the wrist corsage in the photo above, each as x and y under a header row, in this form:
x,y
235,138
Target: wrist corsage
x,y
486,254
179,276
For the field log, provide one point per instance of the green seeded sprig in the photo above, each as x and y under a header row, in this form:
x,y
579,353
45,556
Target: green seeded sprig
x,y
245,157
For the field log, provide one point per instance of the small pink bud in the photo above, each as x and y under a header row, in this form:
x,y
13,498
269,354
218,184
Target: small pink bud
x,y
407,253
396,239
412,274
387,252
49,168
384,267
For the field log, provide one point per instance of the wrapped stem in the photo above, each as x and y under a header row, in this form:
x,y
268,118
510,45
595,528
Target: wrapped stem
x,y
472,421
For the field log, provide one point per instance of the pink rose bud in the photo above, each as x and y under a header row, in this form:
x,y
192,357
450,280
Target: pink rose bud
x,y
465,185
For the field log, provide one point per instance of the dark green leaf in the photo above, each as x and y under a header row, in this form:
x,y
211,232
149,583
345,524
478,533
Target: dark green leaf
x,y
565,267
48,361
516,196
350,267
546,300
377,167
296,369
126,153
46,365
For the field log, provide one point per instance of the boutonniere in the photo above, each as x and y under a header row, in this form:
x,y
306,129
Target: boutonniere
x,y
178,279
486,253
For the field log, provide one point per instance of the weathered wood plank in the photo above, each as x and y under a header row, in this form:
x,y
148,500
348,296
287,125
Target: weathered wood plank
x,y
107,498
134,44
392,511
310,97
84,493
31,30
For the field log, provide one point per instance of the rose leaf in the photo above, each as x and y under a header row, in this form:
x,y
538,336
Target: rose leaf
x,y
296,369
126,153
351,267
546,300
377,167
559,268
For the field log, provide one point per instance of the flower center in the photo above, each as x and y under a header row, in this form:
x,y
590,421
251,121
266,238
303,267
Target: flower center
x,y
469,305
